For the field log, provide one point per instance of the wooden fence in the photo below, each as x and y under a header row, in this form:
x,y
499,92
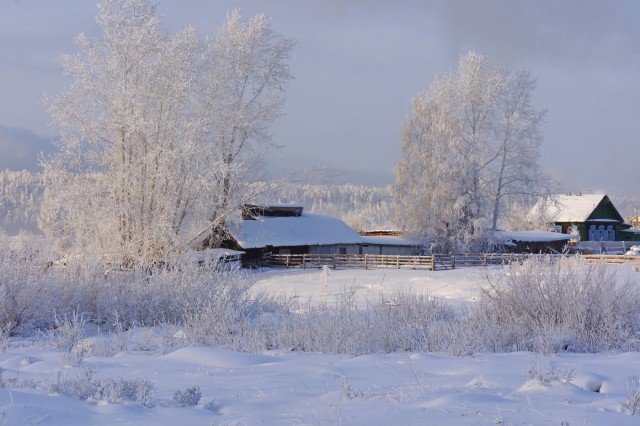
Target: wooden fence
x,y
375,261
430,262
612,258
363,261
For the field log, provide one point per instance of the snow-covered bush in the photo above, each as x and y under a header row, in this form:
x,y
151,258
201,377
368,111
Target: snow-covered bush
x,y
632,403
39,290
404,322
25,292
86,387
548,305
190,397
67,336
545,305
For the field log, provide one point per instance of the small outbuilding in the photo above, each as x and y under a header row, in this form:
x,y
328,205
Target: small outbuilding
x,y
533,241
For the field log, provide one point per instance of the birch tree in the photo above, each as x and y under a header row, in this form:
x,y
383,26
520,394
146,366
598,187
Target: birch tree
x,y
241,95
470,144
139,167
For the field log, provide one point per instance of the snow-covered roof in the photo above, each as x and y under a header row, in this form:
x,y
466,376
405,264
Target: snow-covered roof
x,y
573,207
533,236
631,230
307,229
388,240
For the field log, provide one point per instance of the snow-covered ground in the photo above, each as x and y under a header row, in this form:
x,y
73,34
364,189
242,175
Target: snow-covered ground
x,y
318,286
296,388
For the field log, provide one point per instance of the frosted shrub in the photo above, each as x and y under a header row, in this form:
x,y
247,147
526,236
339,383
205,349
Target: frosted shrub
x,y
189,397
81,387
409,322
338,327
36,284
546,371
404,322
565,304
632,402
219,308
26,295
197,296
67,336
85,387
5,332
41,290
68,331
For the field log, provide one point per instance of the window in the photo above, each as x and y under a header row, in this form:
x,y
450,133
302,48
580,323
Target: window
x,y
592,233
342,250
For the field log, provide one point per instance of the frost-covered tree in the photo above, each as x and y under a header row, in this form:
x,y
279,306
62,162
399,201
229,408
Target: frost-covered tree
x,y
140,158
241,94
20,197
470,146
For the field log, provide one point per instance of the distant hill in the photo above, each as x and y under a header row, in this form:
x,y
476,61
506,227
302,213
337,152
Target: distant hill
x,y
20,149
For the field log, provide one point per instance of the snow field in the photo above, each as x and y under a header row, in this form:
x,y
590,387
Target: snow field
x,y
360,347
279,387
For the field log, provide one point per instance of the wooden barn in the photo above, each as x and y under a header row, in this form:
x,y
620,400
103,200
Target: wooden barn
x,y
287,229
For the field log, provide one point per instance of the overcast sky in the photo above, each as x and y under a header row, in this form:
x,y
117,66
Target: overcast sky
x,y
357,65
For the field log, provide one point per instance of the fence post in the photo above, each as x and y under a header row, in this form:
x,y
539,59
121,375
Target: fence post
x,y
334,261
398,261
433,262
365,261
304,261
453,262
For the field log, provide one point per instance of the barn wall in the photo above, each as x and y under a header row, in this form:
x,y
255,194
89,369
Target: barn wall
x,y
335,249
398,250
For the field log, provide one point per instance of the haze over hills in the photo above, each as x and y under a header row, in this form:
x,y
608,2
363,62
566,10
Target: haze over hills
x,y
20,149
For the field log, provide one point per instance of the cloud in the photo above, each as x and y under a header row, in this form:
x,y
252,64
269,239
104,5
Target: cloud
x,y
21,149
572,33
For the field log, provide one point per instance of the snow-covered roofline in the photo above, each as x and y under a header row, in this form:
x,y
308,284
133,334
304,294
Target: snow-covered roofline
x,y
304,230
569,207
388,240
533,236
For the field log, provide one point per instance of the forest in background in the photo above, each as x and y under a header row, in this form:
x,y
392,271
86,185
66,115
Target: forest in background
x,y
362,207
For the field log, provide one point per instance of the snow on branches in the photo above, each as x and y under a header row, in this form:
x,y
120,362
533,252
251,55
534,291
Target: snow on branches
x,y
156,129
470,148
